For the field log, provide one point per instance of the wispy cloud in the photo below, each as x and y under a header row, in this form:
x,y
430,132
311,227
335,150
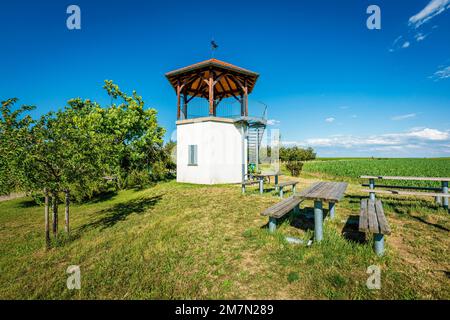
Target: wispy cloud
x,y
404,116
432,9
344,107
413,142
330,119
413,35
442,73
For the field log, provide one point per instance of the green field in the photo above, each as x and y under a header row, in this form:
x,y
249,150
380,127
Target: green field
x,y
175,241
352,168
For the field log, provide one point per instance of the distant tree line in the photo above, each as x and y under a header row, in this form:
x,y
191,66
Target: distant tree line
x,y
81,150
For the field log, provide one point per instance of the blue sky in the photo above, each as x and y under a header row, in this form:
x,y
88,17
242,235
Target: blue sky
x,y
329,82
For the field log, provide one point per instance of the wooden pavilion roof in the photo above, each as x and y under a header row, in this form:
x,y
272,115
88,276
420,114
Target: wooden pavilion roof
x,y
229,79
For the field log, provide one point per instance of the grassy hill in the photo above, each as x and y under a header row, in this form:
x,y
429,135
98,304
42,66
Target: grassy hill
x,y
186,241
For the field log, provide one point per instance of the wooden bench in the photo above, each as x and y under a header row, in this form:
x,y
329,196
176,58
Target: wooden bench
x,y
441,194
249,183
278,210
373,220
281,185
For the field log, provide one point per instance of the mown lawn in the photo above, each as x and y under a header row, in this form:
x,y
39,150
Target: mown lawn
x,y
176,241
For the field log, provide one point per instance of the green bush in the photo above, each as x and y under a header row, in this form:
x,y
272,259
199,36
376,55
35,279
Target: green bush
x,y
294,167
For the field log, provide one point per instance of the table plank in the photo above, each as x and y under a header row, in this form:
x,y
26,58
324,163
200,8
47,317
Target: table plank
x,y
382,222
373,222
324,191
406,178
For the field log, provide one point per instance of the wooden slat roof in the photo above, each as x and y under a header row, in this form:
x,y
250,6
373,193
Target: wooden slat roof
x,y
229,76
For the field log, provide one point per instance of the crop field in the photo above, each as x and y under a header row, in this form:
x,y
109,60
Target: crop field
x,y
353,168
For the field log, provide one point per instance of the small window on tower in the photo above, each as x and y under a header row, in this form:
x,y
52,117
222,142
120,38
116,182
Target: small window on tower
x,y
192,161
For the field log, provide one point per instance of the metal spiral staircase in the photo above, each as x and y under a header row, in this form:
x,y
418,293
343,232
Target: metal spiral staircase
x,y
255,135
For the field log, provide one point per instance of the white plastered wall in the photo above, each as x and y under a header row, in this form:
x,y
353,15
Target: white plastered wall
x,y
219,151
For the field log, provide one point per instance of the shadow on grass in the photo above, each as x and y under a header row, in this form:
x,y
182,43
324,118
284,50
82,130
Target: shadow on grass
x,y
304,220
28,203
429,223
351,232
119,212
105,196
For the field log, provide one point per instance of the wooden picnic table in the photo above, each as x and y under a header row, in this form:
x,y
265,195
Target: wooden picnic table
x,y
262,176
319,192
441,198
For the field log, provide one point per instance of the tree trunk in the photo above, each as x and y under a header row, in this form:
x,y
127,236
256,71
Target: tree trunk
x,y
67,194
46,217
55,213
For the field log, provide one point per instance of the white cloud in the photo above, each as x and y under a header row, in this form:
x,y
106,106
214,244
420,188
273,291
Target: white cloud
x,y
273,122
405,44
404,116
442,73
354,116
432,9
420,36
417,141
430,134
330,119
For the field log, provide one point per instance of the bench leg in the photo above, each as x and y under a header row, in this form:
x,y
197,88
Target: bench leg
x,y
318,221
331,210
243,189
378,244
281,193
372,186
272,224
438,200
261,186
445,190
293,189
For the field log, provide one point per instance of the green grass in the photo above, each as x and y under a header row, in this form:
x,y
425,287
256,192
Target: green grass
x,y
176,241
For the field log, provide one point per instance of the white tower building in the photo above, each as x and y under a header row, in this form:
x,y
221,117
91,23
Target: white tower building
x,y
213,144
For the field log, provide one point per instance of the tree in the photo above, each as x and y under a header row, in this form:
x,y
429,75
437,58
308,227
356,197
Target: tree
x,y
138,139
72,149
294,156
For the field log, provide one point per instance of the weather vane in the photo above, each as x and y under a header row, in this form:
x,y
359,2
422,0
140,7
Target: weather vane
x,y
214,46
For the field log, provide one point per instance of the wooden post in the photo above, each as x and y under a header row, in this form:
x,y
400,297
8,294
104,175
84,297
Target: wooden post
x,y
318,221
178,101
211,93
246,97
185,106
46,219
281,192
55,213
372,187
242,105
66,211
261,185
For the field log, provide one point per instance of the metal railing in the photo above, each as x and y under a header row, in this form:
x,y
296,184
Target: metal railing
x,y
227,108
